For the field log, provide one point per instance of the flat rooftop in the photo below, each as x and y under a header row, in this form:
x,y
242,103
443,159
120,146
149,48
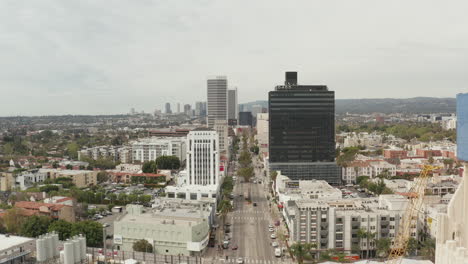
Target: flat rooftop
x,y
12,241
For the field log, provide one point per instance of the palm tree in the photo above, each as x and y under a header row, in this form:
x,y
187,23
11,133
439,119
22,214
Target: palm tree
x,y
362,233
300,250
224,208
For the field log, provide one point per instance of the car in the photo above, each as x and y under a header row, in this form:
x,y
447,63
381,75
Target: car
x,y
254,204
227,224
240,260
274,244
234,247
273,236
105,225
271,229
270,226
227,231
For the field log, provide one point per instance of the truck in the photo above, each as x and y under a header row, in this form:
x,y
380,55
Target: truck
x,y
278,252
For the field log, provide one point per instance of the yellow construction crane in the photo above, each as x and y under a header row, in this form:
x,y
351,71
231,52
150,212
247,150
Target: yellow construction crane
x,y
410,217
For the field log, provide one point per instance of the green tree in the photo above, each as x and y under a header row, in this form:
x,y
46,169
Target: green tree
x,y
300,251
35,226
412,246
168,163
62,227
150,167
428,248
92,230
72,150
273,175
383,246
143,246
13,219
224,208
102,176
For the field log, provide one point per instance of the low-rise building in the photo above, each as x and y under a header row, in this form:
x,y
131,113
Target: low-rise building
x,y
172,230
61,200
56,211
126,177
81,178
28,179
15,249
148,149
7,181
287,189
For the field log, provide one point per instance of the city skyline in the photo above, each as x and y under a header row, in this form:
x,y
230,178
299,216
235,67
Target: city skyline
x,y
359,51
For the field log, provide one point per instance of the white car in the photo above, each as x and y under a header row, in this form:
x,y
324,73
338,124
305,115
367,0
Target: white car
x,y
271,229
240,260
273,236
270,226
274,244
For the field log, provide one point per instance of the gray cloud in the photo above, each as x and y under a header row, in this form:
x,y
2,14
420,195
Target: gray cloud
x,y
97,56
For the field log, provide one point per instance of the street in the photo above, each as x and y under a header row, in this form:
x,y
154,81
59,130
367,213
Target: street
x,y
249,229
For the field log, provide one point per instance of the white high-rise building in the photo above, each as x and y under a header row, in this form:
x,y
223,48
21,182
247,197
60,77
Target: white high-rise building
x,y
203,158
217,99
233,106
262,131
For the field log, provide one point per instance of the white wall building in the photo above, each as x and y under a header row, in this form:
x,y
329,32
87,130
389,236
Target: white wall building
x,y
287,189
262,131
27,179
147,149
203,158
171,229
334,224
452,230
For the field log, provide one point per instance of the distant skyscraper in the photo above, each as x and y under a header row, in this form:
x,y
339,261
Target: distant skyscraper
x,y
187,110
233,106
302,131
203,158
178,107
168,108
462,127
217,99
245,119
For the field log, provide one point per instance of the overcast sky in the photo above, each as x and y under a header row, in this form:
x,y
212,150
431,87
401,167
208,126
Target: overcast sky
x,y
103,57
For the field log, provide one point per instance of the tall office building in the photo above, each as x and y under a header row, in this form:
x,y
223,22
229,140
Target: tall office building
x,y
462,126
203,158
302,131
221,127
233,106
245,119
188,109
168,108
217,99
178,107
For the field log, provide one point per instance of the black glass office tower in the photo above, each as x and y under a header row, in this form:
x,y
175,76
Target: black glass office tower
x,y
302,131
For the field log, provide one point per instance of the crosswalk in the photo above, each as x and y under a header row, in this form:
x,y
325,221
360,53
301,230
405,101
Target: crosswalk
x,y
251,212
251,218
247,260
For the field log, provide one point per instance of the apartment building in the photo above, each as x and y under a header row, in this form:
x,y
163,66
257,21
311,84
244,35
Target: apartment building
x,y
6,181
369,168
147,149
28,179
81,178
334,224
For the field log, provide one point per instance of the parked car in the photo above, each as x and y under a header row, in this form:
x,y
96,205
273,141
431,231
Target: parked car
x,y
274,244
271,229
240,260
234,247
273,236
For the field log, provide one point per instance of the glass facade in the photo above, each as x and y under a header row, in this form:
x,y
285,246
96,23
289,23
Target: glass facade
x,y
462,127
302,124
302,131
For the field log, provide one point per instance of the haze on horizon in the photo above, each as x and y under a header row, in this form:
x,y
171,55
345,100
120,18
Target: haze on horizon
x,y
100,57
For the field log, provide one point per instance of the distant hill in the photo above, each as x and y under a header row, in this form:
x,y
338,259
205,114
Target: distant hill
x,y
417,105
